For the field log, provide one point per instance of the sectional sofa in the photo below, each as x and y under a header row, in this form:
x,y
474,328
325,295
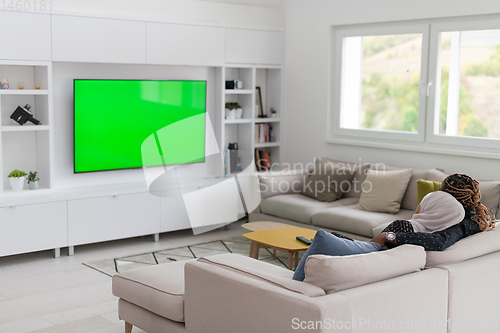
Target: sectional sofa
x,y
282,201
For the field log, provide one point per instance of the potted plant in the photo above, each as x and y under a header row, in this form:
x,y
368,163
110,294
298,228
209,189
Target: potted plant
x,y
233,110
33,180
273,113
16,179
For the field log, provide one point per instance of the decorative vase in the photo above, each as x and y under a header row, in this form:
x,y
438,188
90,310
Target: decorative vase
x,y
230,114
33,185
17,183
238,113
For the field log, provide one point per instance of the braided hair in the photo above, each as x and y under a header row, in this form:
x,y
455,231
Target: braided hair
x,y
466,190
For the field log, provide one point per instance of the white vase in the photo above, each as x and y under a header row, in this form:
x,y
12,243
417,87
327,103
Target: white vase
x,y
33,185
238,113
17,183
230,114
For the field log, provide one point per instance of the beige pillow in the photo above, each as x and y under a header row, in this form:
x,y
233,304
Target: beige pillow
x,y
329,181
384,190
340,273
470,247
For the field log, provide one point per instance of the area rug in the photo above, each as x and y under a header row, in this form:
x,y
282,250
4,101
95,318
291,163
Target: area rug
x,y
236,244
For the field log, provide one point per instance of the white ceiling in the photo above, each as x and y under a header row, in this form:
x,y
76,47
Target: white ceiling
x,y
256,3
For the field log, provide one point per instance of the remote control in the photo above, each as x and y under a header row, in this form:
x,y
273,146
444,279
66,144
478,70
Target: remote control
x,y
304,240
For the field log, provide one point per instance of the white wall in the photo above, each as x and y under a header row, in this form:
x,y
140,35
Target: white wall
x,y
179,11
307,47
63,75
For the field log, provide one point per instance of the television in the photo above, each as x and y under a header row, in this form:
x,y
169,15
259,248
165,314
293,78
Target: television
x,y
112,119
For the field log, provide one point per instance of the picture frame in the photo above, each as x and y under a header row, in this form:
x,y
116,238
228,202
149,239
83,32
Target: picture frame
x,y
258,102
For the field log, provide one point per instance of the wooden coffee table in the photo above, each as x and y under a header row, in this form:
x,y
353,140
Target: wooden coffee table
x,y
281,239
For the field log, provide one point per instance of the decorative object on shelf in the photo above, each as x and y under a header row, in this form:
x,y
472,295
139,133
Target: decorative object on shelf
x,y
16,179
258,96
231,161
33,180
21,87
4,84
234,84
37,87
233,110
22,114
273,113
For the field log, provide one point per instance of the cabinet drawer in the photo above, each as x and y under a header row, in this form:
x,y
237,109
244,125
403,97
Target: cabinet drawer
x,y
176,44
82,39
245,46
114,217
29,228
25,36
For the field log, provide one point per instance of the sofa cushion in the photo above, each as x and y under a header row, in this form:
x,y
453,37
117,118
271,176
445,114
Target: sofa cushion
x,y
425,187
335,273
159,289
467,248
384,190
325,243
283,182
490,189
263,271
409,200
329,181
347,218
298,207
358,179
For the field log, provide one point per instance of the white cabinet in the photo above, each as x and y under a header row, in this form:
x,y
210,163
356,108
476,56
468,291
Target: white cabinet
x,y
112,217
25,36
83,39
35,227
176,44
244,46
173,214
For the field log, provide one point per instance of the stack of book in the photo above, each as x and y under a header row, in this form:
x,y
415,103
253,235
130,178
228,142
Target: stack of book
x,y
264,133
262,160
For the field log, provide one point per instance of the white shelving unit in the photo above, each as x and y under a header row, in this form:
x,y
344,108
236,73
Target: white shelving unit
x,y
242,131
27,147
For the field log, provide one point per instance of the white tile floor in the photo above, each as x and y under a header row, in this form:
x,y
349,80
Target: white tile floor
x,y
39,293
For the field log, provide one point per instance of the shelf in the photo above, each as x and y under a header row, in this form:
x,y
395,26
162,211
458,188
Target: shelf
x,y
238,121
267,120
267,144
24,92
24,128
238,91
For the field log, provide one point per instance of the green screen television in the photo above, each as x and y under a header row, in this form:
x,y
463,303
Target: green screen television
x,y
112,119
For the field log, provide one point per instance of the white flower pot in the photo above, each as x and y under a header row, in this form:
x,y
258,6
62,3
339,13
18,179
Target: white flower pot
x,y
17,183
273,115
33,185
238,113
230,114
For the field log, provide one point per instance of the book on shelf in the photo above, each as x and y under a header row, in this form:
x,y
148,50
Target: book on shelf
x,y
263,160
264,133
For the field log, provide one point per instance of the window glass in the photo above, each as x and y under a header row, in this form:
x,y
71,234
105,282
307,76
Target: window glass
x,y
469,87
380,82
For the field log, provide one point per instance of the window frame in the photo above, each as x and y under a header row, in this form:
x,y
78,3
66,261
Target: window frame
x,y
336,79
432,126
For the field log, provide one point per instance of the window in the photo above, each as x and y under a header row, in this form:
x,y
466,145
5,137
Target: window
x,y
381,90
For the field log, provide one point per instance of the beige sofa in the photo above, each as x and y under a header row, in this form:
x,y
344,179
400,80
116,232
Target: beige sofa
x,y
283,202
455,293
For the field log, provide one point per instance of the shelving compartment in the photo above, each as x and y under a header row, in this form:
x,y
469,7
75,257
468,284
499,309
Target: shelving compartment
x,y
240,133
26,151
274,129
39,108
269,81
274,153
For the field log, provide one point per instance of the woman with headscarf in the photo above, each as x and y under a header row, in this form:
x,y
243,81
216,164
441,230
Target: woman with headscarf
x,y
437,235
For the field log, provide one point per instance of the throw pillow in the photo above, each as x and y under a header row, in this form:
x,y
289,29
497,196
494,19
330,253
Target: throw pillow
x,y
329,181
340,273
384,190
425,187
328,244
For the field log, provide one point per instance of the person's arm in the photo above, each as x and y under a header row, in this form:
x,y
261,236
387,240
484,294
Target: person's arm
x,y
436,241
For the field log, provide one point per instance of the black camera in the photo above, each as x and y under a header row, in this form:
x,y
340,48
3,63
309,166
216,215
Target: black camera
x,y
22,114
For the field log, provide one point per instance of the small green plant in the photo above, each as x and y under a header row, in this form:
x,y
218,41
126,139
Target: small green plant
x,y
273,111
33,177
16,174
232,106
